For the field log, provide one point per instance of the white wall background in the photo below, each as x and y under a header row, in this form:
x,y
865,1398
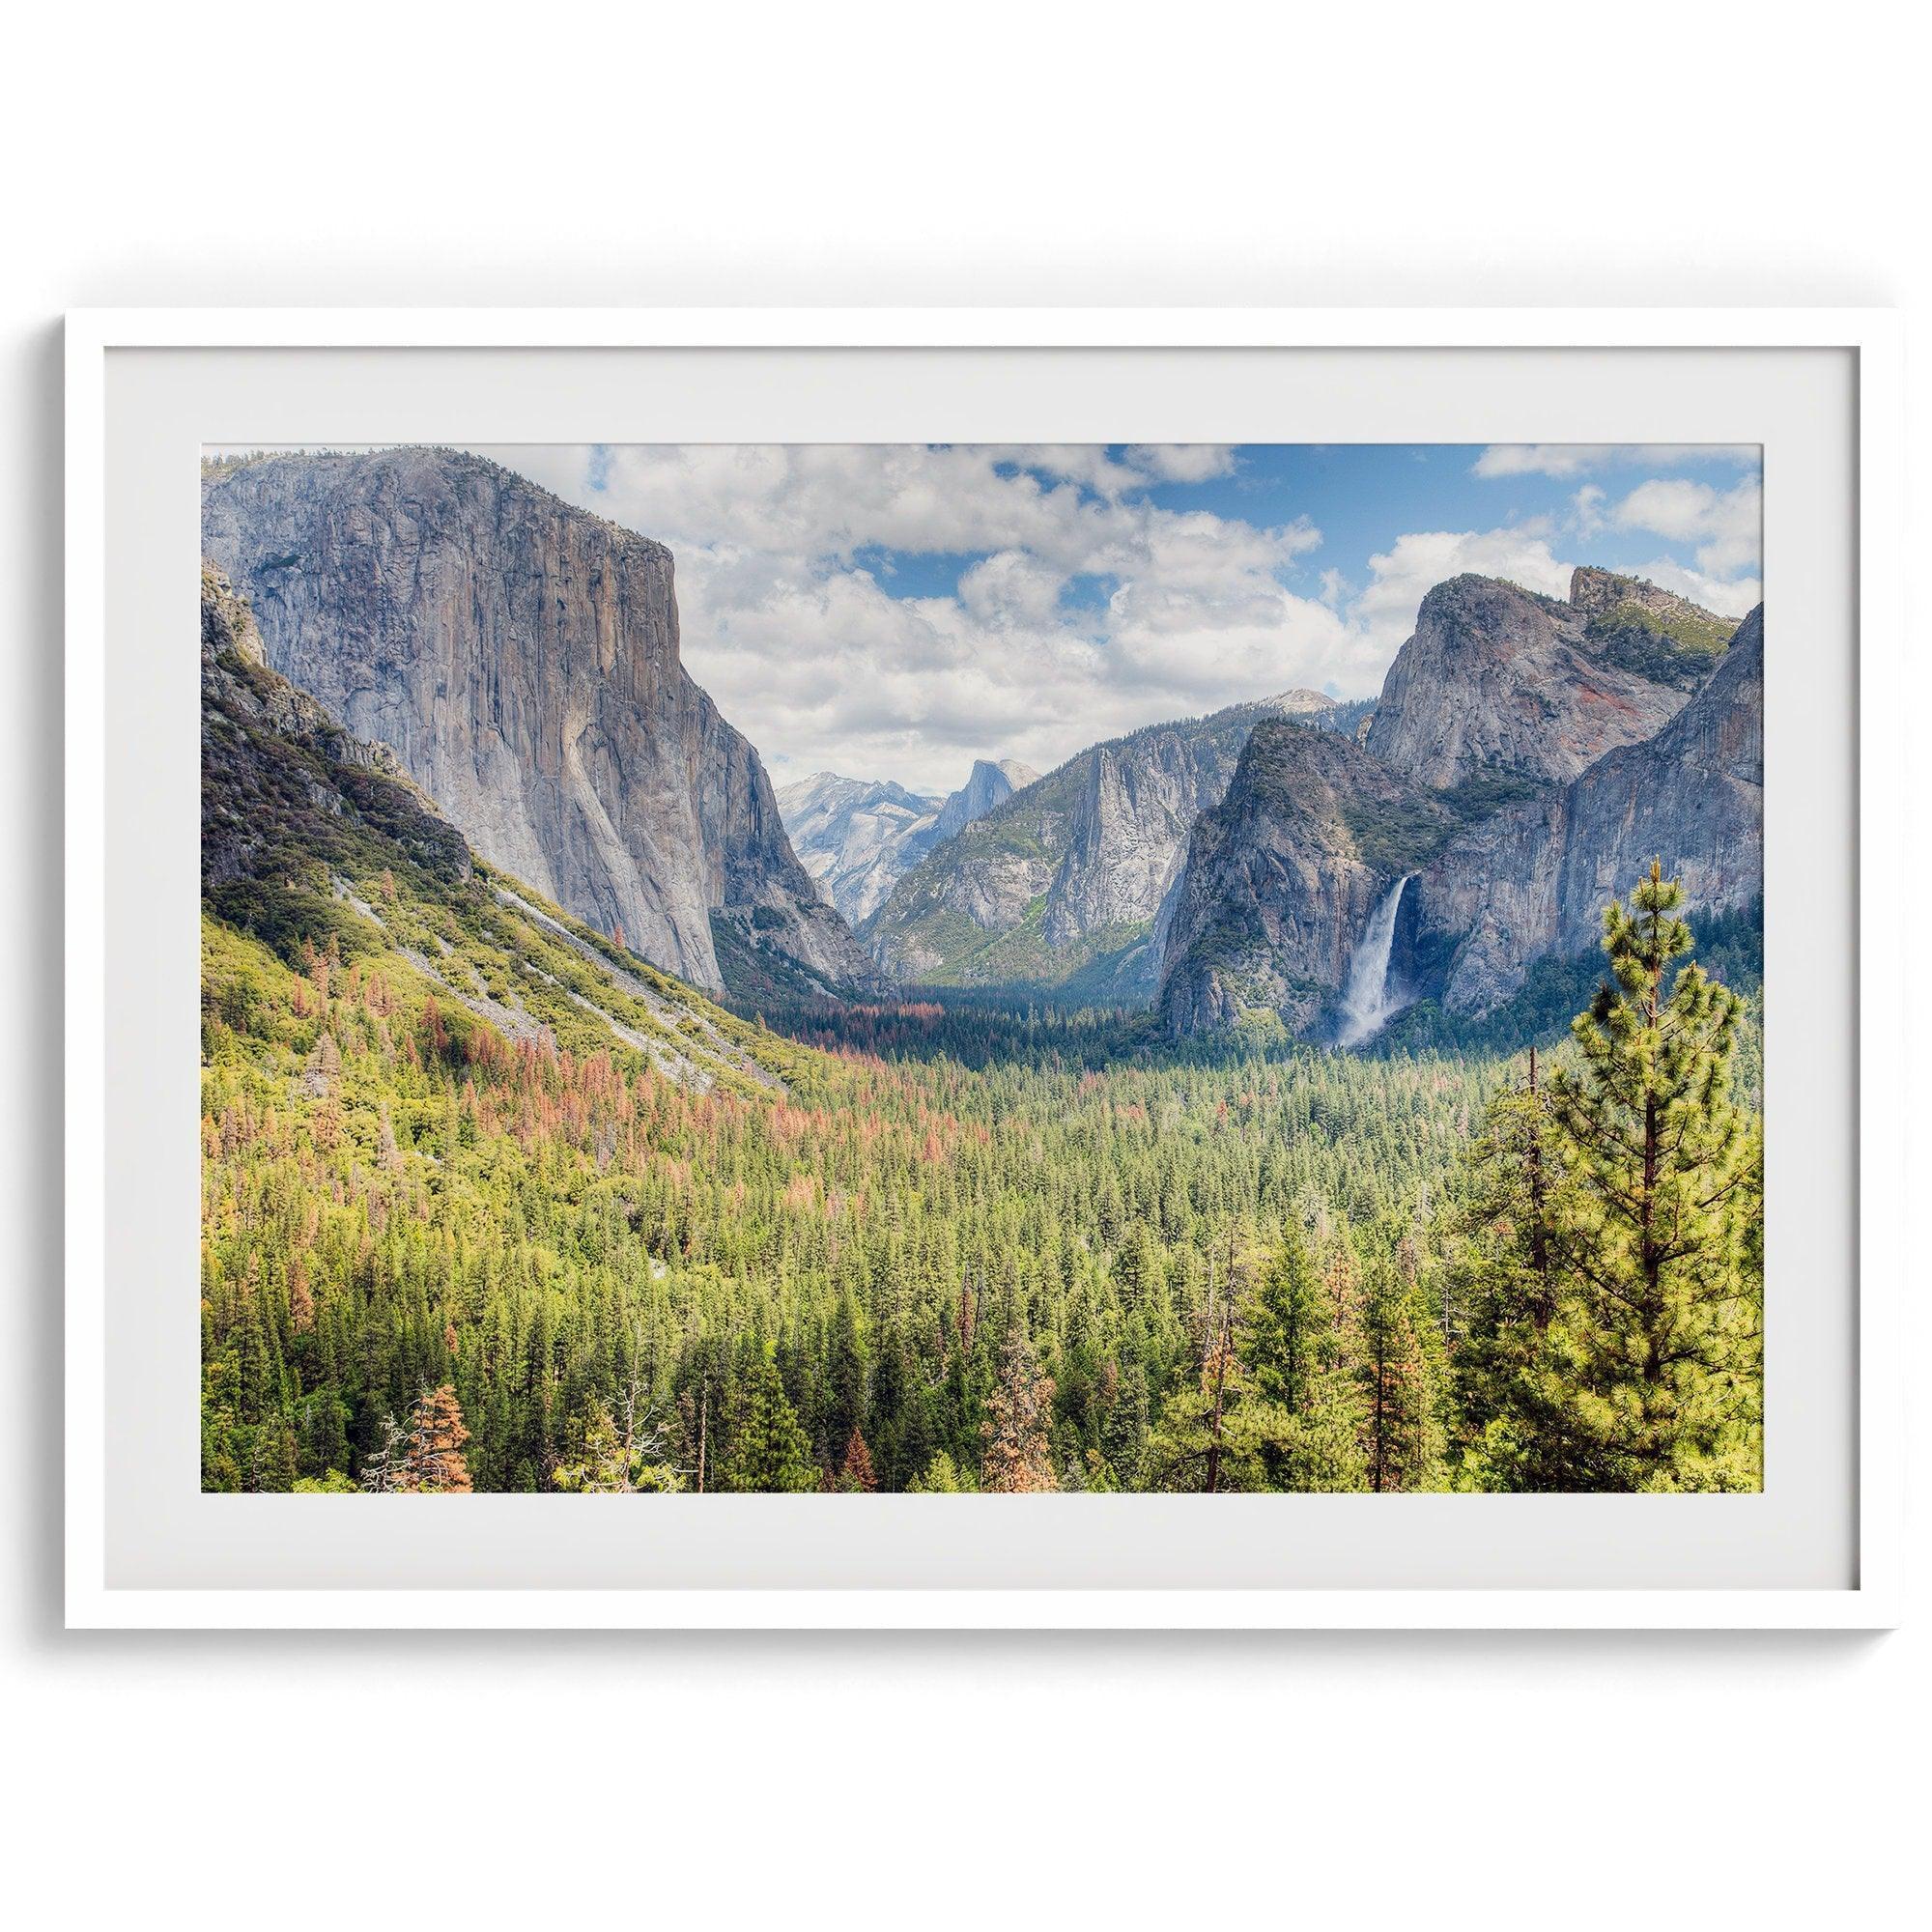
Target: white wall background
x,y
359,154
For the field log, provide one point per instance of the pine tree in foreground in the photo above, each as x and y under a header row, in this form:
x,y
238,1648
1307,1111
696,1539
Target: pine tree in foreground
x,y
1669,1173
1616,1337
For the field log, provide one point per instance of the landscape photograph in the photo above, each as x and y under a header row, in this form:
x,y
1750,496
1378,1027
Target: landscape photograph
x,y
949,970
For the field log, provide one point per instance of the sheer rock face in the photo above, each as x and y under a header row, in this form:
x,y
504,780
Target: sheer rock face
x,y
1499,679
521,657
1073,870
990,784
1533,879
858,837
1282,879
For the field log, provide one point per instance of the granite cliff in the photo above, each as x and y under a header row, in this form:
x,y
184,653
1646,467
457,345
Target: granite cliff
x,y
521,657
318,847
1525,762
992,783
1533,879
1283,876
1496,679
270,754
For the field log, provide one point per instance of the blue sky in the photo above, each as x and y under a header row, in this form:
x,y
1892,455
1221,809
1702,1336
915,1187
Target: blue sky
x,y
897,611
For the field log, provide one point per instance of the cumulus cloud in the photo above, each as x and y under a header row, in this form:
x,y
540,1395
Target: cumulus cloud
x,y
1587,509
1726,525
1042,600
1084,463
1183,462
1578,459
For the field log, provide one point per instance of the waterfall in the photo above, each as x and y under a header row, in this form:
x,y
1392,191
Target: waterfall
x,y
1365,997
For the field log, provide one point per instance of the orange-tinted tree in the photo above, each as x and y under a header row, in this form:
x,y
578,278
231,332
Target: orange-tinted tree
x,y
1019,1412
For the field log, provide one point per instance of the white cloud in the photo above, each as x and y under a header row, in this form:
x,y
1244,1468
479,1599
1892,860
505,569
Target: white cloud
x,y
787,621
1183,462
1009,587
1726,525
1084,463
1728,597
1578,459
1587,509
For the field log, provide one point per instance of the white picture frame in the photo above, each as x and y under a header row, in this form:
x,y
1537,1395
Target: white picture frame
x,y
1870,1595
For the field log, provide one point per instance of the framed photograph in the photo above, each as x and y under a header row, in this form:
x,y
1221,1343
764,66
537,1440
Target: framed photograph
x,y
983,969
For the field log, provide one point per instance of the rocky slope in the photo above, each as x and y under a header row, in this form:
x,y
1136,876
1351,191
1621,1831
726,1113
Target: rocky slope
x,y
1533,879
521,656
317,846
1282,878
1063,885
1499,680
856,837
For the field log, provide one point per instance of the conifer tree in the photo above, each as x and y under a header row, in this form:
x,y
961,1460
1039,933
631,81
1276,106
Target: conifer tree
x,y
386,1468
769,1449
1400,1374
1517,1377
1668,1177
432,1457
1197,1444
855,1470
1296,1412
942,1477
1019,1414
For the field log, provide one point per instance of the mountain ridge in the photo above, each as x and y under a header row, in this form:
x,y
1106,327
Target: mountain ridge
x,y
1496,678
1283,875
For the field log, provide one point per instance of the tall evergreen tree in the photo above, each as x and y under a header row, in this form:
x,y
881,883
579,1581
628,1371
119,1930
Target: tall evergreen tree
x,y
1399,1373
1518,1373
769,1449
434,1461
1669,1175
1296,1414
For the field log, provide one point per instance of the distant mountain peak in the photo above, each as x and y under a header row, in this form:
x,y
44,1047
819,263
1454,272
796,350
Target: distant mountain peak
x,y
990,783
1299,699
859,837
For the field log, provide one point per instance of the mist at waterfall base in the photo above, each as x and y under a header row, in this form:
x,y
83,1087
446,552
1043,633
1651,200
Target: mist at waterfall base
x,y
1367,998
